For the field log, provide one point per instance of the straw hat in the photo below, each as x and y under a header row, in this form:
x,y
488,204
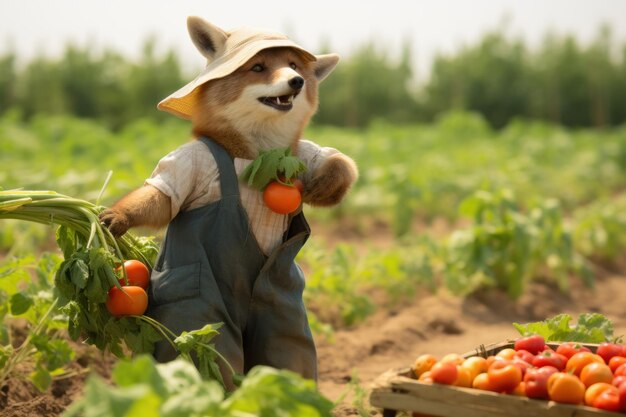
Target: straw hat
x,y
225,53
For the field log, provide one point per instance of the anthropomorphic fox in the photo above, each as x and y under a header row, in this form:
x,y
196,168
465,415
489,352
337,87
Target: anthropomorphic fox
x,y
226,257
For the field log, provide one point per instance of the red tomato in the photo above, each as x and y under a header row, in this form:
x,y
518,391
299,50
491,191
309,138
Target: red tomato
x,y
133,302
524,355
615,362
594,390
579,360
608,350
504,375
620,370
568,349
621,392
618,380
444,373
550,358
565,388
137,273
534,344
281,198
596,372
608,399
536,380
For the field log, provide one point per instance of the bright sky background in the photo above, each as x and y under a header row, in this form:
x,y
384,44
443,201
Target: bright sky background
x,y
34,26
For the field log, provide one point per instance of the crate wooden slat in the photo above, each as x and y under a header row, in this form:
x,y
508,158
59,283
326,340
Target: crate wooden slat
x,y
395,390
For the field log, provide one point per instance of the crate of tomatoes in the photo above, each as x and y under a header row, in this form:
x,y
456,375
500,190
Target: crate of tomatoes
x,y
528,376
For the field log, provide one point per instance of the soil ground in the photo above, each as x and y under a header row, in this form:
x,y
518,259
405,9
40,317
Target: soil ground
x,y
353,358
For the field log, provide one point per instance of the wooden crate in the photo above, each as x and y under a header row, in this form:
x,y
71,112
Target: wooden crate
x,y
395,390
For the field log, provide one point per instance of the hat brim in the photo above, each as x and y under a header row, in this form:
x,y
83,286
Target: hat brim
x,y
182,102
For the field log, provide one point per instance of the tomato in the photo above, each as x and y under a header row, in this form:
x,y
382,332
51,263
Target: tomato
x,y
615,362
137,273
534,344
524,355
536,380
620,370
608,350
482,382
618,380
464,377
522,365
594,390
133,302
444,373
621,392
504,375
520,389
608,399
568,349
454,358
476,365
507,353
579,360
281,198
550,358
423,363
425,377
565,388
596,372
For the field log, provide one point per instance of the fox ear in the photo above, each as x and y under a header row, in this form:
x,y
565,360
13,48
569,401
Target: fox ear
x,y
324,65
209,39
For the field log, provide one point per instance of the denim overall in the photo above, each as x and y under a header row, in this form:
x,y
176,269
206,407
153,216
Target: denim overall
x,y
210,269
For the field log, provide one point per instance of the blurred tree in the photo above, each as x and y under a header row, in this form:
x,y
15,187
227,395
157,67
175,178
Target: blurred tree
x,y
7,81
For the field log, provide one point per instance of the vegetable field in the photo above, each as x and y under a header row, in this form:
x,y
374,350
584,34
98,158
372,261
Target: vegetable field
x,y
453,232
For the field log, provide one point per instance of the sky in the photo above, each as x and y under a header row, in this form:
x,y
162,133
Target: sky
x,y
31,27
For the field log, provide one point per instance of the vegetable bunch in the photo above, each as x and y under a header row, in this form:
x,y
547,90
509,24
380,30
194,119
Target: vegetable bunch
x,y
91,255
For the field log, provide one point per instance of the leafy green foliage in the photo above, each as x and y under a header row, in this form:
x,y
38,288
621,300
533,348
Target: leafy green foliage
x,y
272,165
175,389
590,328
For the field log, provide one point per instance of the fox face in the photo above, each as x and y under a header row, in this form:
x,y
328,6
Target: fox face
x,y
265,103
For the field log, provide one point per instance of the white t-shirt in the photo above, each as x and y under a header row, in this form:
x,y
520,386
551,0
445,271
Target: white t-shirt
x,y
189,176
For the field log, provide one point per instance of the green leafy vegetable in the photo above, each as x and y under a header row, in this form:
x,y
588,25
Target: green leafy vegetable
x,y
590,328
272,165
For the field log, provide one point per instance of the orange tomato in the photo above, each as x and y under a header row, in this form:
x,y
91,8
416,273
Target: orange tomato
x,y
594,390
454,358
566,388
423,363
520,389
132,301
482,382
137,273
476,365
579,360
425,377
444,373
464,377
596,372
504,375
281,198
507,353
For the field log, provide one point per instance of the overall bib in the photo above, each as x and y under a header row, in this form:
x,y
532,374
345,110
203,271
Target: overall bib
x,y
211,269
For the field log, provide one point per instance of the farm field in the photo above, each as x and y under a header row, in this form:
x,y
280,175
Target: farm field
x,y
452,233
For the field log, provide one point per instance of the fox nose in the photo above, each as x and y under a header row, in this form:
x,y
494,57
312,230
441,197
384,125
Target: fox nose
x,y
296,83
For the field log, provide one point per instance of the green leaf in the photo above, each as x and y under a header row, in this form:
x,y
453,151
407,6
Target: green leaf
x,y
590,328
19,303
141,370
79,273
41,378
270,165
188,341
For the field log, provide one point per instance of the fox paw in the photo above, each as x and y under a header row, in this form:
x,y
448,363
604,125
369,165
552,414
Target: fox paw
x,y
116,221
331,182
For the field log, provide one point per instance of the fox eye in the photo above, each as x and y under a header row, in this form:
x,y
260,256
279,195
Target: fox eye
x,y
258,68
293,65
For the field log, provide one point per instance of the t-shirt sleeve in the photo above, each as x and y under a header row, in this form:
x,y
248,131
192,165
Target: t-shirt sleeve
x,y
313,156
175,176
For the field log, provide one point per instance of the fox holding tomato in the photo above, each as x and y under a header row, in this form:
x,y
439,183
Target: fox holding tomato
x,y
226,256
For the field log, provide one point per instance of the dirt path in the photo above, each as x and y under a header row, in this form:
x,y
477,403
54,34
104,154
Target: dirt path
x,y
442,324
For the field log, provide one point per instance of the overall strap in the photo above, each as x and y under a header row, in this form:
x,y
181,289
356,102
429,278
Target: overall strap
x,y
229,183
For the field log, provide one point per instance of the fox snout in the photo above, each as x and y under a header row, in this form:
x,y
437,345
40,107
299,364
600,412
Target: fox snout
x,y
296,83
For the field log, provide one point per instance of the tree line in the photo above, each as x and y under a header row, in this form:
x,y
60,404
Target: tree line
x,y
561,81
